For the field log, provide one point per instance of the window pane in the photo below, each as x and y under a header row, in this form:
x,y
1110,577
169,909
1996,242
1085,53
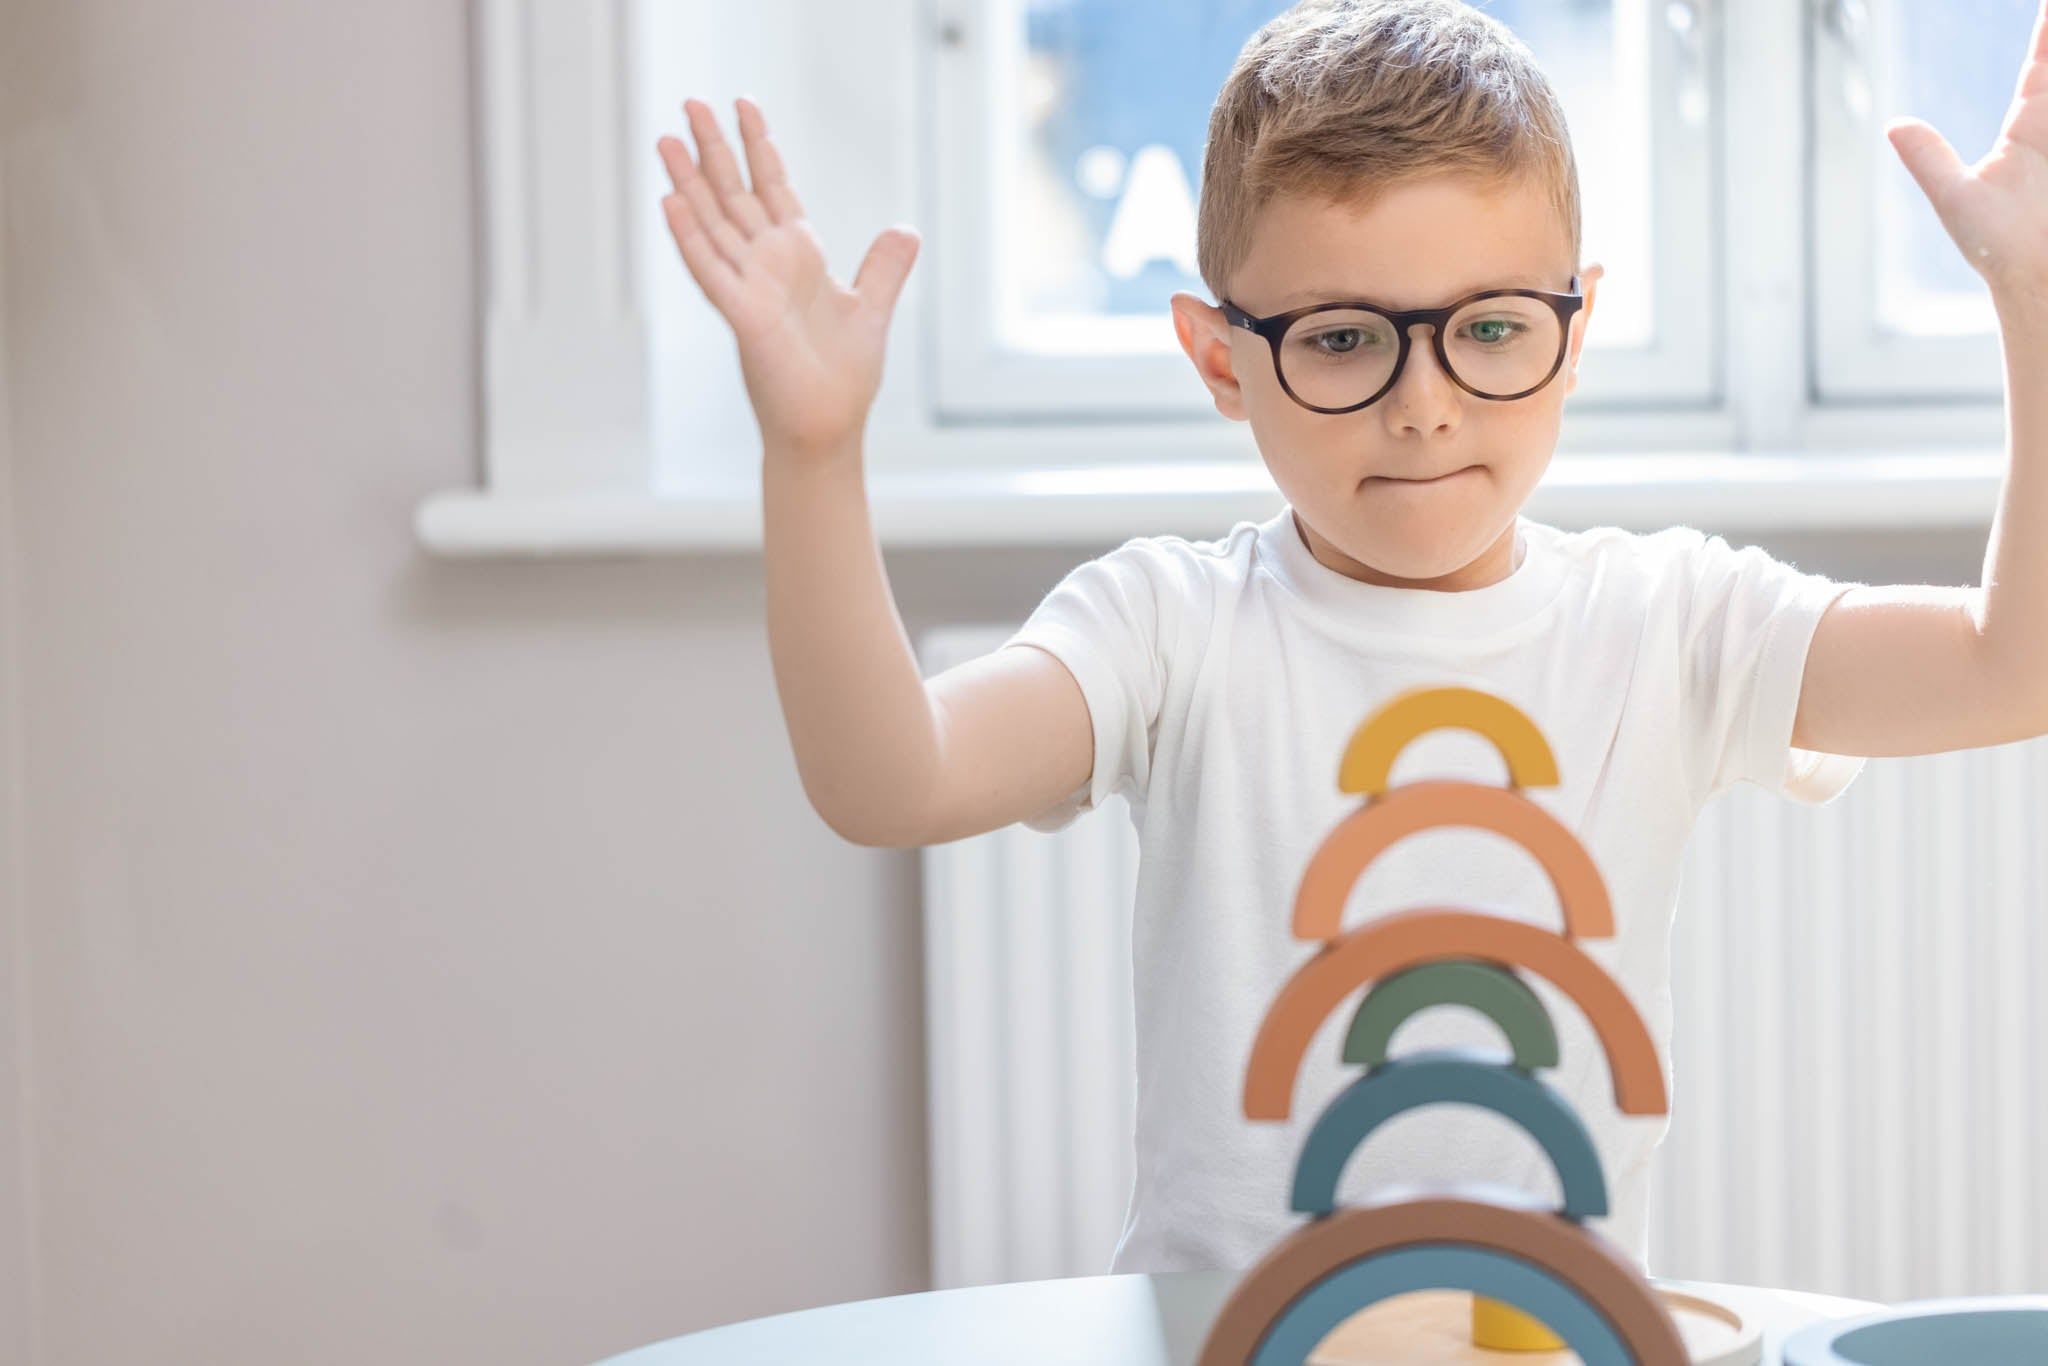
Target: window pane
x,y
1955,65
1596,57
1100,145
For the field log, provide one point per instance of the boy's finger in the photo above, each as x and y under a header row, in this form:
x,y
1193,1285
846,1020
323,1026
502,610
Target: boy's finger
x,y
710,214
712,272
1929,158
675,157
722,169
887,264
764,162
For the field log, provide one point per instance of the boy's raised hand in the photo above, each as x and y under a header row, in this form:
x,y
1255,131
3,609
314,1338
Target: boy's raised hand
x,y
810,350
1997,210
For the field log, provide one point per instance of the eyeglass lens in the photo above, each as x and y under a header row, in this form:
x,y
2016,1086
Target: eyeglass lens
x,y
1500,347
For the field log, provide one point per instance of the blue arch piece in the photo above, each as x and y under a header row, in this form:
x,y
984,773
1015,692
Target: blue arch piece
x,y
1312,1315
1967,1328
1450,1075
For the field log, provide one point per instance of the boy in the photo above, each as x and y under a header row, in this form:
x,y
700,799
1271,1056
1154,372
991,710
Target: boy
x,y
1363,159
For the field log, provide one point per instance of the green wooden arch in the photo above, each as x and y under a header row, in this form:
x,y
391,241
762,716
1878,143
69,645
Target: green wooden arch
x,y
1493,989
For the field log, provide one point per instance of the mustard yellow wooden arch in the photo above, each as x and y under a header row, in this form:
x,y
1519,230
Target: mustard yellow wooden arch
x,y
1379,740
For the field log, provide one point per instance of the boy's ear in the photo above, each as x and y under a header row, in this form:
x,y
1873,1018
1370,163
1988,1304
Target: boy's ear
x,y
1589,282
1205,335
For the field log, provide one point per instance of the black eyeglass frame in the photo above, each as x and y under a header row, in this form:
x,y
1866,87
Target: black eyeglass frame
x,y
1273,328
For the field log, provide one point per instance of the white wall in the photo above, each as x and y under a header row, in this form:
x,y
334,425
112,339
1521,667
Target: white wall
x,y
425,962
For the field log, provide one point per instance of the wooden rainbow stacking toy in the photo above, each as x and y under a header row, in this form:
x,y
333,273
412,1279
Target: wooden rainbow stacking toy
x,y
1538,1277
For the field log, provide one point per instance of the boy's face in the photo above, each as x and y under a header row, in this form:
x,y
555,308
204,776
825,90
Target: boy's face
x,y
1350,476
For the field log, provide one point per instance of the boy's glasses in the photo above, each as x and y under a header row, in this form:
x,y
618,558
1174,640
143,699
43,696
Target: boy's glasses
x,y
1340,357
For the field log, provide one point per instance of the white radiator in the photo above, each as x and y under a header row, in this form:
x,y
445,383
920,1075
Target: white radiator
x,y
1859,1100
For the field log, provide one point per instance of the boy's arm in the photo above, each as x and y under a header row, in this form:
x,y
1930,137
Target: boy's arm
x,y
884,757
1922,669
1919,669
860,724
1015,737
1909,669
888,758
810,353
1915,668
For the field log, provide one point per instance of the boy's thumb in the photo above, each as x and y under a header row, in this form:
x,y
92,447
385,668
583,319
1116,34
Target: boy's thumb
x,y
1932,162
887,264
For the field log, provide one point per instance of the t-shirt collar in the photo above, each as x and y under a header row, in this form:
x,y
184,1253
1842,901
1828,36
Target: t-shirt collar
x,y
1385,610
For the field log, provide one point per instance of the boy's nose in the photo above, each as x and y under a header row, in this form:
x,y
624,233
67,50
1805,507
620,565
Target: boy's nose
x,y
1424,399
1422,365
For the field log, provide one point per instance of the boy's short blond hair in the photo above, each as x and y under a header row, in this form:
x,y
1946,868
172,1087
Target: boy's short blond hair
x,y
1340,99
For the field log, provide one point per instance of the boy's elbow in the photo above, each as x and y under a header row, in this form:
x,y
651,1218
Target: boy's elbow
x,y
856,832
872,837
842,822
867,823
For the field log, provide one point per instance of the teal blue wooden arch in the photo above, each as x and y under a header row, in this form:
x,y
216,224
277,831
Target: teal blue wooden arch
x,y
1965,1328
1493,989
1450,1076
1312,1315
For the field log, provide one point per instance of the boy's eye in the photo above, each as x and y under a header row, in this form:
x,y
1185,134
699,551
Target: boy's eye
x,y
1341,340
1494,330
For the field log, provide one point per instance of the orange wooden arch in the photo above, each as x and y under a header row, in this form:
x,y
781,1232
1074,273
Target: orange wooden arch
x,y
1379,740
1403,939
1433,803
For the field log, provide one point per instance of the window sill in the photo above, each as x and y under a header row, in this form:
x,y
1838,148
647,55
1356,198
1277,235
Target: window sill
x,y
1102,505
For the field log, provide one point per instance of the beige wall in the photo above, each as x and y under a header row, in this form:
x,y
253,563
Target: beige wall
x,y
430,962
425,962
15,1238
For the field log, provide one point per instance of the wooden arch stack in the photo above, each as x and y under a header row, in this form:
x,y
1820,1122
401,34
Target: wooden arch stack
x,y
1539,1276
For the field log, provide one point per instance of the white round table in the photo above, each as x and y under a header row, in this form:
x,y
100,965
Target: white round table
x,y
1156,1319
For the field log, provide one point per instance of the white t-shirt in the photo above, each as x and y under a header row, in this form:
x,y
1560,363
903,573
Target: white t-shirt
x,y
1224,678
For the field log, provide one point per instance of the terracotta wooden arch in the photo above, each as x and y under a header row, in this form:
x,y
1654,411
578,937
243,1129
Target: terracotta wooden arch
x,y
1403,939
1342,858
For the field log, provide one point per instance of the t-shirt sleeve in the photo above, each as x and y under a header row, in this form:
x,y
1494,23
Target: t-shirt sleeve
x,y
1749,621
1103,621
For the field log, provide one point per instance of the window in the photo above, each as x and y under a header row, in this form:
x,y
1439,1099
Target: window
x,y
1069,154
1898,311
1777,286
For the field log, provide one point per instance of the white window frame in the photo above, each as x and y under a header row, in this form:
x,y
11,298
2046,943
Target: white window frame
x,y
584,299
564,332
1857,356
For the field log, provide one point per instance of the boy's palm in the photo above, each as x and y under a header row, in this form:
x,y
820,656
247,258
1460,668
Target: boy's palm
x,y
810,349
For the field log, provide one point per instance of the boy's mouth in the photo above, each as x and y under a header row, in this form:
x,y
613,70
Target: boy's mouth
x,y
1431,479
